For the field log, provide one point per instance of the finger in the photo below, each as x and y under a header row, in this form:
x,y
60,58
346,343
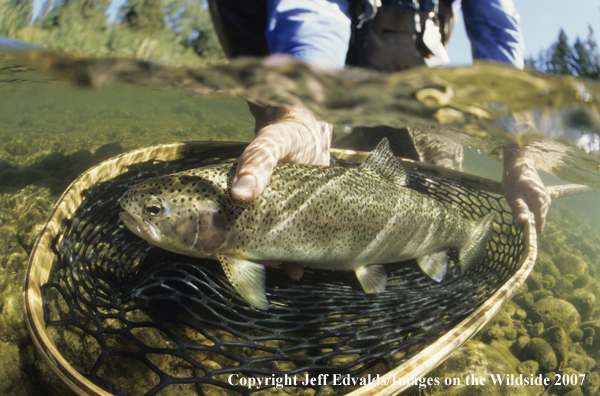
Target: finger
x,y
294,270
256,164
519,208
295,139
539,202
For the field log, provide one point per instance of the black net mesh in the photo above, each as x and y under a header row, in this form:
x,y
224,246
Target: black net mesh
x,y
138,320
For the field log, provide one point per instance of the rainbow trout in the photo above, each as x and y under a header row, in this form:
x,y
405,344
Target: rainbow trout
x,y
322,217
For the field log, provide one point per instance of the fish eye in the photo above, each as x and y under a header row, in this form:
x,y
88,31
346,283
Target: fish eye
x,y
153,208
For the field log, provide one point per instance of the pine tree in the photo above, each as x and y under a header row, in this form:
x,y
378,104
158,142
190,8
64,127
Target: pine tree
x,y
580,60
561,58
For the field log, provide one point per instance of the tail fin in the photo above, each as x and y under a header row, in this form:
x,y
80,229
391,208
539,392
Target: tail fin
x,y
474,249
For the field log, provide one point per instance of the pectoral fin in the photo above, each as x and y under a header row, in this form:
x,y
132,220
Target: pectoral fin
x,y
434,265
247,278
372,278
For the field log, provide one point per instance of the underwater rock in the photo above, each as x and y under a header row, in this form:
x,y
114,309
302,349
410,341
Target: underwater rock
x,y
494,333
525,301
534,282
575,361
563,287
520,314
574,392
591,384
572,264
481,360
546,266
581,282
539,350
591,331
584,301
558,340
537,329
52,162
10,376
589,362
587,247
528,367
541,294
17,147
107,151
570,387
548,281
510,334
80,161
503,319
556,312
576,335
522,341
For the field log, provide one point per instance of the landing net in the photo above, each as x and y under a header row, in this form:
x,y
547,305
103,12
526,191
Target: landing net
x,y
137,320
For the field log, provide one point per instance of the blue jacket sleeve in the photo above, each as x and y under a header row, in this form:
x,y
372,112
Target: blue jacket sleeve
x,y
310,30
494,29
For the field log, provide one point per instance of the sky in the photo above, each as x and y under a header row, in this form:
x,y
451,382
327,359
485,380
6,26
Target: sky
x,y
541,21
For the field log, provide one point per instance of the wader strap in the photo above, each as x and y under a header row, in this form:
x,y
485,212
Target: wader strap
x,y
393,39
240,26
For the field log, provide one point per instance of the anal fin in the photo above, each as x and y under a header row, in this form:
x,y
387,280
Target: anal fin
x,y
434,265
247,278
372,278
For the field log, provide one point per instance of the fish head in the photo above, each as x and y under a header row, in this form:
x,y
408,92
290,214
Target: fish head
x,y
182,214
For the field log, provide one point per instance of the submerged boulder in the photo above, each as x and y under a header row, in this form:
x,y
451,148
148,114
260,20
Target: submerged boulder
x,y
584,301
572,264
556,312
539,350
481,361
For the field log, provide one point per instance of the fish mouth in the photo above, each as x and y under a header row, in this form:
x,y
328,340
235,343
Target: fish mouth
x,y
140,227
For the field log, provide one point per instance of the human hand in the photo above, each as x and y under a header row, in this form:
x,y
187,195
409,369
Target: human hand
x,y
523,188
293,136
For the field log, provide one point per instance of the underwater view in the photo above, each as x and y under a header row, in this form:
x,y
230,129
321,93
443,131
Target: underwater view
x,y
60,116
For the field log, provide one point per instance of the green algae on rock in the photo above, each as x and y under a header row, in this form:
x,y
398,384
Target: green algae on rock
x,y
556,312
481,360
539,350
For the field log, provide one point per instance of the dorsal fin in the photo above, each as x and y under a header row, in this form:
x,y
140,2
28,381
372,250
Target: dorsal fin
x,y
382,161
